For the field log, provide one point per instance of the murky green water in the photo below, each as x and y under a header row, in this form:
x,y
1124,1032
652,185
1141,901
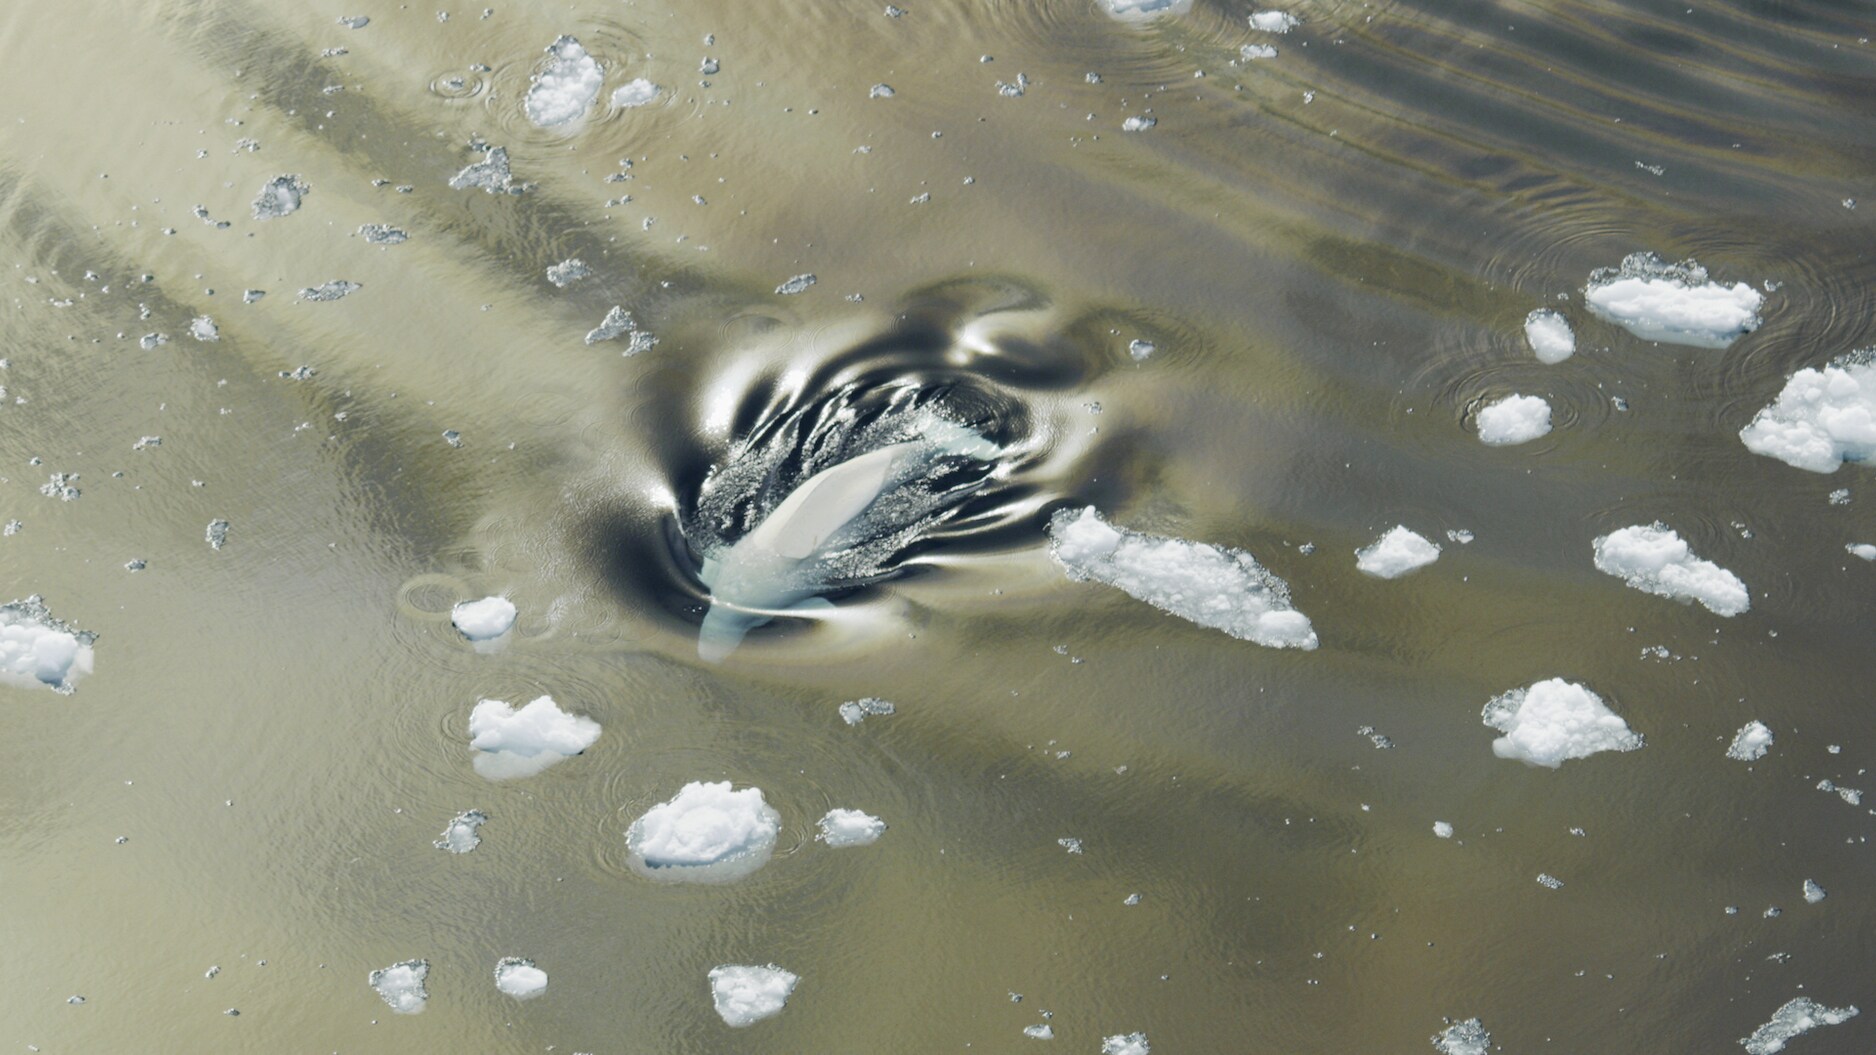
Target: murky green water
x,y
1332,251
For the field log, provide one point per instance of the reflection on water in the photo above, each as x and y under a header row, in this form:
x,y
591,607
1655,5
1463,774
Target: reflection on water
x,y
1258,301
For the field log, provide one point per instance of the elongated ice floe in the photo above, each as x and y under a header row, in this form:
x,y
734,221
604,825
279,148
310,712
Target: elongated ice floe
x,y
1549,335
38,651
563,91
483,620
1463,1038
1751,742
745,995
1822,418
1219,587
1126,1043
842,827
1396,553
1862,550
635,93
1512,420
1672,303
1801,1015
1143,10
1273,21
511,743
1654,559
1554,721
706,833
401,985
519,978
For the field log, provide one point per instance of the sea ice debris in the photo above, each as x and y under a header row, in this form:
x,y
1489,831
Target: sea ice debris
x,y
1654,559
1672,303
401,985
483,620
519,978
842,827
1751,742
1396,553
1800,1015
1513,419
1822,418
38,651
705,833
566,88
510,742
745,995
1554,721
1550,337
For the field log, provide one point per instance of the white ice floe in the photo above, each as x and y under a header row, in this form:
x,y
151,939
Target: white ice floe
x,y
853,712
1861,549
1654,559
401,985
510,742
1813,893
491,174
1751,742
745,995
706,833
1442,829
1674,303
203,328
483,620
1513,419
1214,586
1126,1044
326,292
1463,1038
280,196
842,827
1253,52
1396,553
1550,336
1822,418
1039,1031
1273,21
563,91
461,835
519,978
635,93
38,651
1797,1016
1142,10
797,284
1138,124
1554,721
567,272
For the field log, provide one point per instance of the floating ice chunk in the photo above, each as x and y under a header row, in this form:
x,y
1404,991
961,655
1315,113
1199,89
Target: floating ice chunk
x,y
853,712
1252,52
636,93
401,985
1442,829
1040,1031
1674,303
519,978
61,487
383,234
217,534
38,651
512,743
706,833
567,272
203,328
1653,559
490,174
1513,419
881,91
1813,893
1219,587
566,88
1073,846
1138,124
1822,418
1797,1016
280,196
1550,336
1463,1038
850,828
461,835
354,21
798,284
1396,553
1548,881
1554,721
1273,21
1126,1044
1861,549
1143,10
617,322
483,620
1751,742
745,995
336,289
1141,350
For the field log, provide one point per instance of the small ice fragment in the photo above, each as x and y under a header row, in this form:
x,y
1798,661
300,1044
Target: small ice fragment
x,y
842,827
75,1000
1463,1038
635,93
1545,879
1751,742
354,21
1131,900
401,985
249,296
383,234
1252,52
1654,559
745,995
1797,1016
1512,420
1125,1044
567,272
136,564
61,486
1674,303
709,66
510,742
1549,335
1396,553
1040,1031
563,92
798,284
329,291
38,651
853,712
1822,418
1218,587
203,328
1073,846
705,833
1141,350
151,341
1442,829
1138,124
1839,497
1273,21
1861,549
880,91
1459,535
1142,10
452,437
212,971
461,835
279,197
490,174
617,322
1813,893
519,978
1554,721
217,534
